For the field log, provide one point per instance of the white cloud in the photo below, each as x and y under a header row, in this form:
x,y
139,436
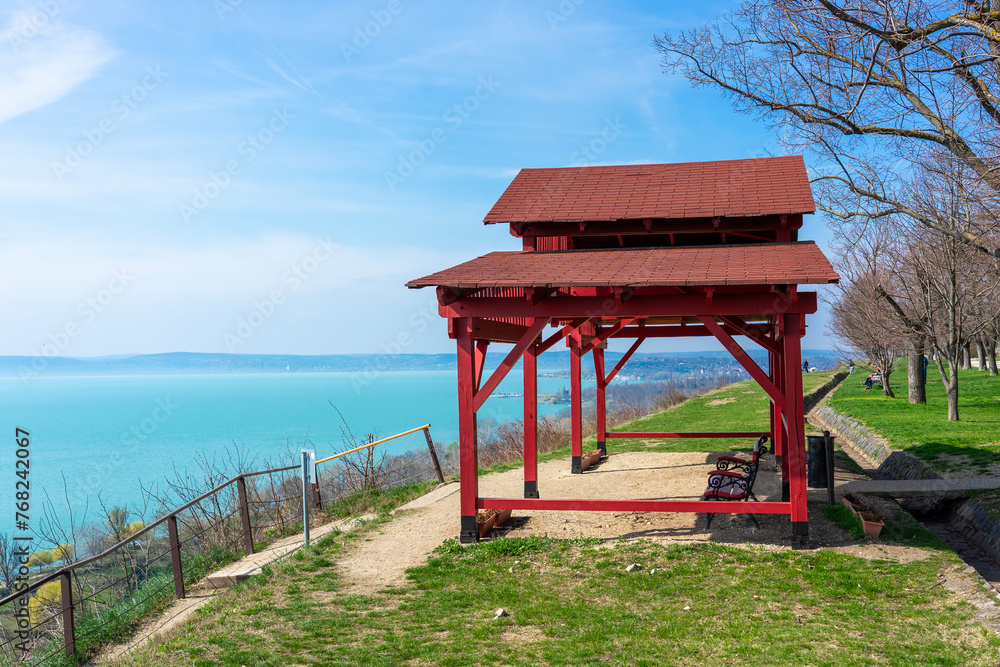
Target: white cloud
x,y
42,63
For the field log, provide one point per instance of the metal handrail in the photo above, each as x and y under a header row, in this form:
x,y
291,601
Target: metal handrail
x,y
66,569
372,444
131,538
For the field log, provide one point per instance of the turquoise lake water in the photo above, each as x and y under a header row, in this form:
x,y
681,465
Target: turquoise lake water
x,y
105,434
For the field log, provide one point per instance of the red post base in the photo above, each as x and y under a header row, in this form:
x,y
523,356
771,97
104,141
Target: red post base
x,y
470,531
531,489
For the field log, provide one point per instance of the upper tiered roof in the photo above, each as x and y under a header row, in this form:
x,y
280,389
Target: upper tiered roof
x,y
727,188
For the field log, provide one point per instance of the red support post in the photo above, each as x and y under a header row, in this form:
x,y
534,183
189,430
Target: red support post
x,y
781,446
795,445
530,365
602,426
467,445
576,403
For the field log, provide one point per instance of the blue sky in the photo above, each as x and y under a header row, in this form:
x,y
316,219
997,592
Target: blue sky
x,y
262,177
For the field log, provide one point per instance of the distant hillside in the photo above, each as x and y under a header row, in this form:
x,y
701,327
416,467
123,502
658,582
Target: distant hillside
x,y
649,366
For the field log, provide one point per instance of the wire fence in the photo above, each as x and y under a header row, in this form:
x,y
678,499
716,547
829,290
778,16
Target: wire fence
x,y
63,614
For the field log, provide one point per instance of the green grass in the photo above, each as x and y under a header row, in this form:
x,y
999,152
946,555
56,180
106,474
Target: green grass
x,y
377,501
924,429
738,407
572,603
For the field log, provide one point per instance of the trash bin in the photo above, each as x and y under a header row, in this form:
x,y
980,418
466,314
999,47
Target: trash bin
x,y
816,475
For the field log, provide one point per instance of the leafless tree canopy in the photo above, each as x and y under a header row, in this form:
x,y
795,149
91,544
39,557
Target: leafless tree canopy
x,y
881,93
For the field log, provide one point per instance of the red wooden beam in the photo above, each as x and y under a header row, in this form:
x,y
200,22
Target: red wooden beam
x,y
742,327
741,356
604,335
559,335
632,434
677,331
481,347
570,307
497,332
608,505
509,361
624,360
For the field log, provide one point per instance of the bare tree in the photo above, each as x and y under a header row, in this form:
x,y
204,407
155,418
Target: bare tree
x,y
870,89
862,319
942,286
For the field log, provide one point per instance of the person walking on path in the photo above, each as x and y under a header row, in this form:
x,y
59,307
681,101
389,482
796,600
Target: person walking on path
x,y
851,362
805,366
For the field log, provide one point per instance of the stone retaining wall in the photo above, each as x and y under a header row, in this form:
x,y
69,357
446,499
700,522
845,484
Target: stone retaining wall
x,y
978,527
891,463
975,524
809,401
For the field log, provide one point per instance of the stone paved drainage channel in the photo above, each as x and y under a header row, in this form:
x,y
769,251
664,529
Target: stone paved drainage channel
x,y
937,516
970,553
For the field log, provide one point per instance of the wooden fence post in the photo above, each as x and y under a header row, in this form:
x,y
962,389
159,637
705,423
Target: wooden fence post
x,y
434,456
175,556
69,626
241,488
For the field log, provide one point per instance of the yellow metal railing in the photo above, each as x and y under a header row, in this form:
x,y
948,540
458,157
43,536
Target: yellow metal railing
x,y
377,442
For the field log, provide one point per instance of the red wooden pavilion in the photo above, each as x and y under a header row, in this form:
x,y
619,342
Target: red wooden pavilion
x,y
638,252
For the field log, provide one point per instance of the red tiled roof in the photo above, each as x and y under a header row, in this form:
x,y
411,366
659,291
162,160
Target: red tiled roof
x,y
734,188
764,264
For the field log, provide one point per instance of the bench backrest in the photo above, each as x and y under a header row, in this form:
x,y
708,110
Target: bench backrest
x,y
759,449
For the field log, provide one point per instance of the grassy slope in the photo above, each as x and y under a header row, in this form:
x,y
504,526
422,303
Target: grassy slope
x,y
572,604
924,430
738,407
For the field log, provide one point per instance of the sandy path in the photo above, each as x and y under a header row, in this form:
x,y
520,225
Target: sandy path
x,y
382,560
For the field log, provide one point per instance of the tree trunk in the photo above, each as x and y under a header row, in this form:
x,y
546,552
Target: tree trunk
x,y
915,371
991,355
980,353
965,357
886,389
950,382
952,389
